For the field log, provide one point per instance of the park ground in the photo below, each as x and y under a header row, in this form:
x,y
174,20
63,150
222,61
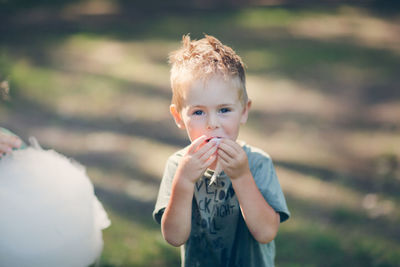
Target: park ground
x,y
90,79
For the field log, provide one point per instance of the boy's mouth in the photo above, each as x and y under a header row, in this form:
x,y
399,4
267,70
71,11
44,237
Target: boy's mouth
x,y
214,137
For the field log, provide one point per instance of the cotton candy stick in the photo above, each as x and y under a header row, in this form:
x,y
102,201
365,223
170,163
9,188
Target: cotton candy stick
x,y
217,170
218,167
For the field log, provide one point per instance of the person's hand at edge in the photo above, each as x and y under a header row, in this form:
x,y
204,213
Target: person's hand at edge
x,y
8,142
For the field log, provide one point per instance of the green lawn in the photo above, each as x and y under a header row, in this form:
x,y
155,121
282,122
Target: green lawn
x,y
90,79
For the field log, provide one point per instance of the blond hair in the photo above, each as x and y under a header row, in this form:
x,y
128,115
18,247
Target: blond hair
x,y
203,59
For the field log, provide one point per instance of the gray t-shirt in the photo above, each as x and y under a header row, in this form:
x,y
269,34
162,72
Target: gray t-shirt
x,y
219,236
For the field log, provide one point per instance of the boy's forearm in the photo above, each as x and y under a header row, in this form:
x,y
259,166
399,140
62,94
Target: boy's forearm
x,y
176,221
261,219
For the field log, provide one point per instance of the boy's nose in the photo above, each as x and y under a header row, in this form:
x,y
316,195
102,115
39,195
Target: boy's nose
x,y
212,122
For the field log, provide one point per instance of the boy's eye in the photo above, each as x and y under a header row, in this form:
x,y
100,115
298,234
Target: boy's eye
x,y
224,110
198,112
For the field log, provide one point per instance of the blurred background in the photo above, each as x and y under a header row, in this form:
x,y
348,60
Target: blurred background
x,y
90,79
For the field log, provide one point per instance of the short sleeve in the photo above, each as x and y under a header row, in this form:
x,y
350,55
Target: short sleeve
x,y
164,192
267,181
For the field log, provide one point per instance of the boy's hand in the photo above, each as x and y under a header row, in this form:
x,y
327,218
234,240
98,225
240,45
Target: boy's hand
x,y
233,159
7,142
198,157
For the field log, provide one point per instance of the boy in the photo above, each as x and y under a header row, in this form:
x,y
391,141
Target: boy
x,y
233,221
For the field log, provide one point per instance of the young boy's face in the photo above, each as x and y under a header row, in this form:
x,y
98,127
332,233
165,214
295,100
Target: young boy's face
x,y
211,108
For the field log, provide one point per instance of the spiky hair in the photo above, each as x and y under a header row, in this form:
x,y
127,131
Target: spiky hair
x,y
201,59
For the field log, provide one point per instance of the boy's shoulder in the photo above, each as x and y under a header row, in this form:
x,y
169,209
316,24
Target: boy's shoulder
x,y
176,156
179,153
255,153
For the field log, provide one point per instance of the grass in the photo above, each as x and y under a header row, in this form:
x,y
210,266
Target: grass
x,y
96,88
137,246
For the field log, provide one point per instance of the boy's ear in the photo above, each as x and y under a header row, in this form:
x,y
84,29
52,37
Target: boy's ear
x,y
177,116
245,113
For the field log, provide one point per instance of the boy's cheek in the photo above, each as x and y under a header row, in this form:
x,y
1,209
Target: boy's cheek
x,y
194,137
194,132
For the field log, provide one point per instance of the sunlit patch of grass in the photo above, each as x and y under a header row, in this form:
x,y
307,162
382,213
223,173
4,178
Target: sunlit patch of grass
x,y
315,189
257,60
36,82
76,94
135,61
369,145
353,24
112,103
275,94
290,143
138,151
256,18
385,113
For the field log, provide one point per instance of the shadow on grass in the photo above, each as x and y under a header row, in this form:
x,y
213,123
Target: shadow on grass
x,y
116,162
314,62
125,206
166,132
335,237
316,248
39,115
344,219
360,182
356,120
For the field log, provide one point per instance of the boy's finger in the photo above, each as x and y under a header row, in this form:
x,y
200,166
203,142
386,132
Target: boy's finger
x,y
222,155
223,159
231,143
208,153
228,149
210,160
196,143
205,148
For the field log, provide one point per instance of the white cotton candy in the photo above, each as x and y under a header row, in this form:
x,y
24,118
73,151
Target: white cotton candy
x,y
49,215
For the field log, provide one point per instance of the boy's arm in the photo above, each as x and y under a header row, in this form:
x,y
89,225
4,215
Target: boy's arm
x,y
176,220
261,219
